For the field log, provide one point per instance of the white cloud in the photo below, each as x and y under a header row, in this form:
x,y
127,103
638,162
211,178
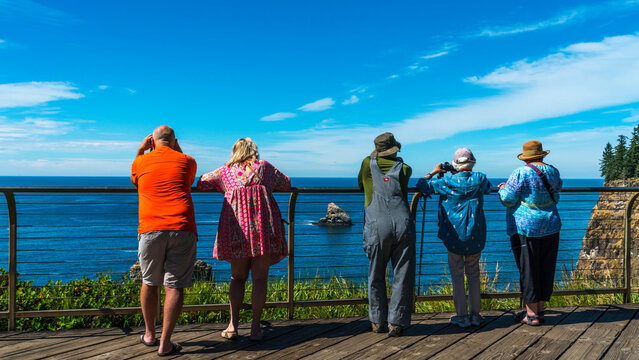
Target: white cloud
x,y
78,166
510,30
30,128
416,67
579,13
131,91
319,105
279,116
579,78
35,93
103,87
359,89
632,119
435,55
30,10
327,124
352,100
394,76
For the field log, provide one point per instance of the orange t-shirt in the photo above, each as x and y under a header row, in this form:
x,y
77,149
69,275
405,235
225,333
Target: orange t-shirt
x,y
164,178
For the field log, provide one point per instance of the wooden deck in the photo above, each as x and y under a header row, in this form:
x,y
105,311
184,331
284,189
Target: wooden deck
x,y
589,332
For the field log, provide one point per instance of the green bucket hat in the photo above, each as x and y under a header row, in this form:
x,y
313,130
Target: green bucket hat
x,y
385,144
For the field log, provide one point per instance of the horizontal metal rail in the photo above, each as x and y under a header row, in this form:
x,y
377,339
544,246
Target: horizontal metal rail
x,y
12,314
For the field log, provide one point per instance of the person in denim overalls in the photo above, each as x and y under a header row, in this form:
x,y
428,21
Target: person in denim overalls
x,y
389,234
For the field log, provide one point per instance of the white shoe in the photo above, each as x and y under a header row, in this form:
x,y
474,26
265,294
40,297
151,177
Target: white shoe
x,y
476,319
461,321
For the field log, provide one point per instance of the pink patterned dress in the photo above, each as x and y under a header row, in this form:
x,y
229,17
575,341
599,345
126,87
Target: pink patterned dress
x,y
250,221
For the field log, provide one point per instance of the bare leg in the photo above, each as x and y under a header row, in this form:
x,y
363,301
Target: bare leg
x,y
259,276
149,304
239,274
540,310
172,309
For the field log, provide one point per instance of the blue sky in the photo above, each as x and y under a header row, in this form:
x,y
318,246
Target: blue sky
x,y
313,82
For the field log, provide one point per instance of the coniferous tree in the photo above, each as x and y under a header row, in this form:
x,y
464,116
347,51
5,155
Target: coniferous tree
x,y
605,164
617,168
631,161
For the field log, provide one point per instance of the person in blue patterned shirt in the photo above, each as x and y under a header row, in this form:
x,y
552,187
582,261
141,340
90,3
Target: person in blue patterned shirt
x,y
462,228
531,195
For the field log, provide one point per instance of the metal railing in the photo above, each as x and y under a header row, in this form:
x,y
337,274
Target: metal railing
x,y
303,206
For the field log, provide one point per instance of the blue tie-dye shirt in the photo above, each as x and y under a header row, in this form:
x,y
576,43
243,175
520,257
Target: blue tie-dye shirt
x,y
531,209
462,225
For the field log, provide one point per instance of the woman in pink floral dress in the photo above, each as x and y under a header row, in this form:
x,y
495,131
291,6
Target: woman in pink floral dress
x,y
250,234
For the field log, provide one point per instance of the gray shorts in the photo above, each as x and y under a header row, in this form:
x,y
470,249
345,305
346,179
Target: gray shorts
x,y
168,255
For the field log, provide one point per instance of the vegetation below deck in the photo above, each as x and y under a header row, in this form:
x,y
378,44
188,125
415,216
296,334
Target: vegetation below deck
x,y
106,292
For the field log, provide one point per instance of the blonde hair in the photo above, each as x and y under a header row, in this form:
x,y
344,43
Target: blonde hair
x,y
243,150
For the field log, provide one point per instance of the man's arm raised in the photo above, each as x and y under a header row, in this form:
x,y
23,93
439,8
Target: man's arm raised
x,y
146,144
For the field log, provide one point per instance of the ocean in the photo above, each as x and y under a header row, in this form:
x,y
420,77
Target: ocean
x,y
67,236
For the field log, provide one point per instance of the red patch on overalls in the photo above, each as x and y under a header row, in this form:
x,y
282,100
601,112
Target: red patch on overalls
x,y
386,179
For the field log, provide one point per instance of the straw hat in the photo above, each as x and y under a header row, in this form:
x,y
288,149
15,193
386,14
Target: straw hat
x,y
532,150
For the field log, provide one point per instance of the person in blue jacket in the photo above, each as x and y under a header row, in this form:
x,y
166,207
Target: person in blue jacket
x,y
462,228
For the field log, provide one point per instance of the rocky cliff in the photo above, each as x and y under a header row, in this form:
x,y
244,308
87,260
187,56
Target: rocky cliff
x,y
602,250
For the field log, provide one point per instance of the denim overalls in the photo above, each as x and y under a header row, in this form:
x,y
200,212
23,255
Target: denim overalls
x,y
389,233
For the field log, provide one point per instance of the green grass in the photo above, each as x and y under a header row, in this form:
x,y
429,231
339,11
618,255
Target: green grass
x,y
106,292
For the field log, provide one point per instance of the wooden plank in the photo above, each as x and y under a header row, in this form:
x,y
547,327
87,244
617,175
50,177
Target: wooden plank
x,y
215,346
561,336
482,338
322,341
364,340
130,342
18,337
436,341
412,334
300,335
626,346
22,348
600,336
130,347
523,336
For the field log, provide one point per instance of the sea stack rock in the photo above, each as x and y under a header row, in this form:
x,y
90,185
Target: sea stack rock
x,y
202,271
335,216
601,256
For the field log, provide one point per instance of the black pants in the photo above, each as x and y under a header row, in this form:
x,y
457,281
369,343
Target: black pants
x,y
536,259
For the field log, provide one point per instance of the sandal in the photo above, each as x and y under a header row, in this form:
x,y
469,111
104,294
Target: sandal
x,y
229,335
524,318
148,343
175,347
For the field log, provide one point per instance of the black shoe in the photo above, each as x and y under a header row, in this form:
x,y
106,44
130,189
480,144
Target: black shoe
x,y
378,328
395,330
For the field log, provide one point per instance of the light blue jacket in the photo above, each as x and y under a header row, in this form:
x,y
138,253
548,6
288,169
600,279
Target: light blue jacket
x,y
462,225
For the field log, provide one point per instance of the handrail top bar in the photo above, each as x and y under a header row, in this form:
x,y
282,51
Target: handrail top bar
x,y
316,189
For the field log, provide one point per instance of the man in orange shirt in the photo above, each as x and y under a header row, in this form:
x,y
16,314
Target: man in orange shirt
x,y
167,235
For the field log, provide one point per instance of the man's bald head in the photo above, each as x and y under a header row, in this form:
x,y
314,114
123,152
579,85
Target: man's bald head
x,y
163,136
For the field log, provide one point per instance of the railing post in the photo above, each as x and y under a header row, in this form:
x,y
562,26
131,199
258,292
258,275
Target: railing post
x,y
627,239
413,213
13,267
291,254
